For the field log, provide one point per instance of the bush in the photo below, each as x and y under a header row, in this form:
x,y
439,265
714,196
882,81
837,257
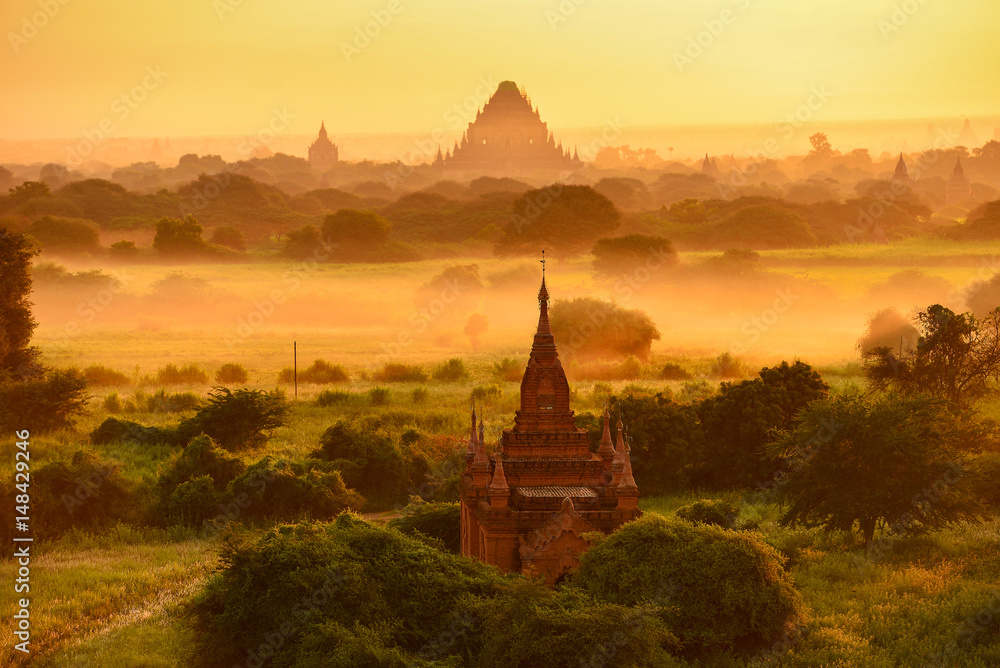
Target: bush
x,y
284,491
386,599
320,373
420,395
102,376
86,493
481,393
113,430
186,375
237,420
589,327
44,404
620,256
400,373
727,366
372,462
230,373
743,419
509,370
328,398
379,396
672,371
230,237
440,521
161,402
112,403
66,235
452,370
722,590
720,512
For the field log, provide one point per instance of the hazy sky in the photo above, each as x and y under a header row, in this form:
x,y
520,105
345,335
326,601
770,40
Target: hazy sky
x,y
194,67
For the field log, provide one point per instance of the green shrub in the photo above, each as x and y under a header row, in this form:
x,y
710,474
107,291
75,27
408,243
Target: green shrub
x,y
333,397
66,235
371,461
727,366
508,369
186,375
320,373
161,402
281,490
237,420
618,256
192,502
452,370
441,521
379,396
113,430
672,371
379,598
45,404
86,493
420,395
720,512
102,376
400,373
722,590
200,457
482,393
588,327
113,403
231,373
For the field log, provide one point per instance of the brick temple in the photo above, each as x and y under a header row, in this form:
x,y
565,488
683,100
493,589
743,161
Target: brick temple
x,y
509,137
527,509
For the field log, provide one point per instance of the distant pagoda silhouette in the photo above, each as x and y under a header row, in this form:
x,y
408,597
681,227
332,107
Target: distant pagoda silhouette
x,y
958,188
528,509
323,153
509,137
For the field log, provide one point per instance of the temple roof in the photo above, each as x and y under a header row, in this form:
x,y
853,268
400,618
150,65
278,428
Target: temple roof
x,y
560,491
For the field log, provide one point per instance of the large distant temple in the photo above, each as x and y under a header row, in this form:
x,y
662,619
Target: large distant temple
x,y
323,153
528,508
509,137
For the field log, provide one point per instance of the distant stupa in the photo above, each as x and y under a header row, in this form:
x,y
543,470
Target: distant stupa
x,y
509,137
901,174
967,137
323,153
958,189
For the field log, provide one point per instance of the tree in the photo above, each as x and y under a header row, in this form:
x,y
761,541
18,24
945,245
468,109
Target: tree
x,y
18,359
956,357
565,220
237,420
66,235
230,237
902,461
303,243
887,329
46,404
690,212
458,289
475,326
763,227
741,420
356,228
587,327
717,589
984,297
178,237
820,146
630,254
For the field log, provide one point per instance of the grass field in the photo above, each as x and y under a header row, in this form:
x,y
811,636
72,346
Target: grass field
x,y
117,599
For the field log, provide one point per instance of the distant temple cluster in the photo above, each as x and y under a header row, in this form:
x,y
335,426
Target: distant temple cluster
x,y
958,188
507,137
528,508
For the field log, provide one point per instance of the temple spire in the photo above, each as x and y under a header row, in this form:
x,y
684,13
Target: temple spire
x,y
499,482
543,311
607,450
473,437
627,481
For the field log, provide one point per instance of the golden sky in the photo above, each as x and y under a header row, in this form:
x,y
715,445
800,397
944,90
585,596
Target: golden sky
x,y
222,67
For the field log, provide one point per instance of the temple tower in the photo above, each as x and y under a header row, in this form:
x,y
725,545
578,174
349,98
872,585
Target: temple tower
x,y
528,509
323,153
